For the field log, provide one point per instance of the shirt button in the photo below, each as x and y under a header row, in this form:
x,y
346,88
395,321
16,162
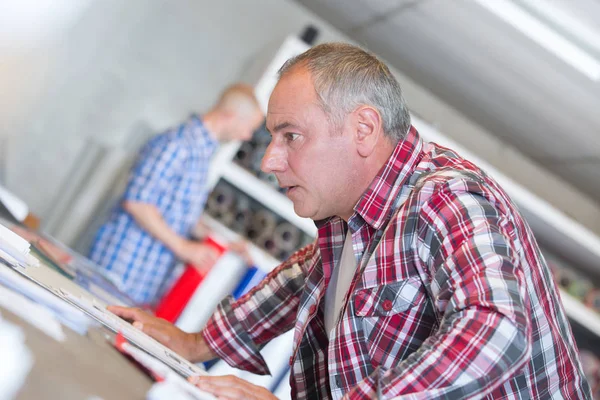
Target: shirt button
x,y
387,305
291,360
312,309
338,381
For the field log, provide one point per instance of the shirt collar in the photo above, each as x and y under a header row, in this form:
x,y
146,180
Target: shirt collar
x,y
202,133
378,200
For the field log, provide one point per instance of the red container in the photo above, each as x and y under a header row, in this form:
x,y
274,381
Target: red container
x,y
174,301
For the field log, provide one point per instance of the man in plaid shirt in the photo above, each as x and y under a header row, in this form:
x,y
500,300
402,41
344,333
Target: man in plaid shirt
x,y
425,282
148,231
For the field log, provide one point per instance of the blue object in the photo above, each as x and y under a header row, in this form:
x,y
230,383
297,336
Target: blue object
x,y
252,277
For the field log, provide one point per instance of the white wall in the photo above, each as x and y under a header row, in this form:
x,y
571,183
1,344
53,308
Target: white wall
x,y
126,63
134,65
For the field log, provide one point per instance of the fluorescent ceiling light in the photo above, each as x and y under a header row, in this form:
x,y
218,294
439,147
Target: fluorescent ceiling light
x,y
544,36
565,21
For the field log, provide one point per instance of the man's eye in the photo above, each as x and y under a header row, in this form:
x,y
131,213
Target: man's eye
x,y
291,136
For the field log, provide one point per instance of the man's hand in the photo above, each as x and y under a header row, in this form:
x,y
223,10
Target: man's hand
x,y
200,255
231,387
190,346
240,247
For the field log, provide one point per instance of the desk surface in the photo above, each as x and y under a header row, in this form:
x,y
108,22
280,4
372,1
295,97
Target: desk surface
x,y
81,367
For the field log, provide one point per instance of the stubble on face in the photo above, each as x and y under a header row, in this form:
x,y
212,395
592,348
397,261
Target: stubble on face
x,y
319,164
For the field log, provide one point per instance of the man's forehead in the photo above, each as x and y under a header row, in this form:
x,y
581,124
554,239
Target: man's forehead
x,y
282,108
277,121
295,80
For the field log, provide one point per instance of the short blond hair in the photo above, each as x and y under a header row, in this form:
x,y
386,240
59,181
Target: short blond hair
x,y
240,99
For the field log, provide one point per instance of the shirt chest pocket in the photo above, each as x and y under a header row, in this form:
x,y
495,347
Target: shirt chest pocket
x,y
388,299
395,319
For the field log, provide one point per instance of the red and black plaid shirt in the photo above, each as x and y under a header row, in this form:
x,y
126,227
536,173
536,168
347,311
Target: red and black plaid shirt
x,y
452,298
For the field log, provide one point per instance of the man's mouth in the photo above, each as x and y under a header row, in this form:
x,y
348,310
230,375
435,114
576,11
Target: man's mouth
x,y
286,187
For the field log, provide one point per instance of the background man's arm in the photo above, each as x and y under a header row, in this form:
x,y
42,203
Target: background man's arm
x,y
149,218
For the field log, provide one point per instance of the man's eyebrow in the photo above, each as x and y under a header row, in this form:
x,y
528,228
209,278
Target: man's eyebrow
x,y
283,125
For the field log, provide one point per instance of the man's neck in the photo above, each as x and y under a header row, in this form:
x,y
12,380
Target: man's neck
x,y
213,123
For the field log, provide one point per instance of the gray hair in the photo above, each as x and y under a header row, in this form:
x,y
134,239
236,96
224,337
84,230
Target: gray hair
x,y
346,76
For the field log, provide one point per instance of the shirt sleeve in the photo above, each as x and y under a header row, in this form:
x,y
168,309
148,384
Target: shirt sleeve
x,y
471,251
237,329
157,167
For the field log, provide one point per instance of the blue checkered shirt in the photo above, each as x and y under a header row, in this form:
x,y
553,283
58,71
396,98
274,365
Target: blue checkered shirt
x,y
170,173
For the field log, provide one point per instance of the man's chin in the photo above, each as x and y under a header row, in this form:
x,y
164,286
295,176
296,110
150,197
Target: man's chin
x,y
313,214
303,213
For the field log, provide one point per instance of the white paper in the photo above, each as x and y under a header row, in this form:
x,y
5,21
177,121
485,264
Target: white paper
x,y
99,312
175,381
41,294
168,390
15,250
16,206
31,312
10,259
14,240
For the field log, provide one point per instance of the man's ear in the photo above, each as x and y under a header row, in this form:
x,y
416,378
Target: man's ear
x,y
369,128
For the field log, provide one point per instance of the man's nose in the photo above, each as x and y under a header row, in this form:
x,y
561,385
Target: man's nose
x,y
274,160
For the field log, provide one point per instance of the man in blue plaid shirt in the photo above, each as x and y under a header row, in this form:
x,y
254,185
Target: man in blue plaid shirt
x,y
149,229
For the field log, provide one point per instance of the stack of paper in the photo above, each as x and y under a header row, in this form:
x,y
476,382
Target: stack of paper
x,y
17,207
168,389
176,388
99,312
36,314
14,249
42,295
